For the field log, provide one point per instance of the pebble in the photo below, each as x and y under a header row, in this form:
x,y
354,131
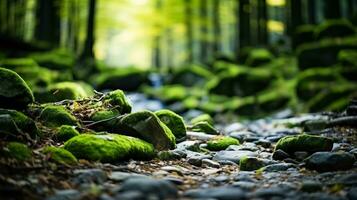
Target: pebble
x,y
278,167
280,155
233,156
86,176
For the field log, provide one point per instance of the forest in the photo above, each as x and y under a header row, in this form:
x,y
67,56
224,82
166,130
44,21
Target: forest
x,y
178,99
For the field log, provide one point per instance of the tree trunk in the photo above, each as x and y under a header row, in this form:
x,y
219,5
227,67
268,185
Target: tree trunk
x,y
216,26
156,53
262,22
189,30
89,42
332,9
244,23
203,4
48,21
311,12
295,15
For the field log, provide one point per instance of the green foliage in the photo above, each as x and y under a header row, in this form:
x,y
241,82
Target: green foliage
x,y
118,99
55,116
14,123
173,121
203,118
66,132
221,143
109,147
14,92
18,151
304,142
60,155
147,126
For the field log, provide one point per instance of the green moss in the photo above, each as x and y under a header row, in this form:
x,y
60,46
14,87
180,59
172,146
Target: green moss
x,y
66,132
221,143
304,142
250,164
127,79
61,91
191,76
173,121
257,57
203,118
58,59
147,126
17,151
303,34
204,127
167,93
334,28
108,120
37,77
348,58
15,63
14,123
118,99
14,92
109,148
55,116
60,155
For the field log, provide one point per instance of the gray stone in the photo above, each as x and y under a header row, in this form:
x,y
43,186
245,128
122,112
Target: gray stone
x,y
330,161
66,195
311,186
245,185
280,155
85,176
352,194
278,167
301,155
122,176
210,163
219,193
233,156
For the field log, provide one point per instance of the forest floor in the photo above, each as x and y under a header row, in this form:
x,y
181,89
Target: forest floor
x,y
200,175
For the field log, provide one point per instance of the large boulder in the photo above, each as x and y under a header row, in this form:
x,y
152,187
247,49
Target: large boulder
x,y
15,124
14,92
304,142
147,126
109,147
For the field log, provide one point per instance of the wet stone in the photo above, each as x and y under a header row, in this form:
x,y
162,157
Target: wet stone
x,y
278,167
233,156
66,195
245,185
311,186
121,176
301,155
223,193
210,163
330,161
86,176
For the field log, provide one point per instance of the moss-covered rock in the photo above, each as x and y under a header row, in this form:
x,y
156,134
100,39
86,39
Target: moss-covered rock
x,y
173,121
304,142
37,77
147,126
250,164
204,127
18,151
348,58
258,57
118,100
189,76
15,63
221,143
334,28
303,34
109,147
203,118
323,53
66,132
106,120
14,92
58,59
55,116
14,124
63,90
127,79
60,155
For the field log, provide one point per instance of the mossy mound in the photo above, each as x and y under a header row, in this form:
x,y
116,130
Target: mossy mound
x,y
60,155
118,100
250,164
304,142
147,126
127,79
106,120
348,58
323,53
258,57
14,92
241,82
109,147
204,127
303,34
189,76
334,29
63,90
58,59
55,116
173,121
18,151
203,118
66,132
15,63
221,143
37,77
14,124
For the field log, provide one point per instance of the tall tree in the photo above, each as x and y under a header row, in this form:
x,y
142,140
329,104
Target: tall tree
x,y
262,22
216,26
332,9
203,7
156,55
244,23
89,42
311,9
295,15
189,30
48,21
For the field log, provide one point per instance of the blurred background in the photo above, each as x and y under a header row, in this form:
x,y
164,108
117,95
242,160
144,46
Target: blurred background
x,y
239,58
